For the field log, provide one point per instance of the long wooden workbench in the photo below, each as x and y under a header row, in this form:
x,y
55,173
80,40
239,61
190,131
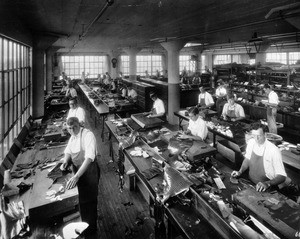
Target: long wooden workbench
x,y
204,199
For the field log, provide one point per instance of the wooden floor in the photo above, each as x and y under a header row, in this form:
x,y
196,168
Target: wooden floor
x,y
120,214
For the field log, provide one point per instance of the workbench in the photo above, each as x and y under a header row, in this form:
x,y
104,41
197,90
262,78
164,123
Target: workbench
x,y
37,207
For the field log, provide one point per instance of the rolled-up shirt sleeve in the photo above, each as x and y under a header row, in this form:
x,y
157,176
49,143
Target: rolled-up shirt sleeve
x,y
273,163
249,149
90,146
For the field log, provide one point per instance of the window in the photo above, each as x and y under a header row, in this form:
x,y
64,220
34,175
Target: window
x,y
14,91
236,59
277,57
294,57
73,66
150,63
185,62
125,65
251,61
222,59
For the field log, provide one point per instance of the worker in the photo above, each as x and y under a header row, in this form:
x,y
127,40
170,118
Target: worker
x,y
196,79
272,104
112,86
81,153
147,74
221,93
197,129
131,93
70,92
231,110
158,109
264,161
205,99
122,90
76,111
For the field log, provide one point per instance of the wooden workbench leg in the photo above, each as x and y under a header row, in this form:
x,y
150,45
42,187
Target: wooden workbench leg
x,y
132,181
159,216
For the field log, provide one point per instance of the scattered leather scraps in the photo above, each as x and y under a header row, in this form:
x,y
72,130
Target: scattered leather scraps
x,y
22,173
24,187
151,172
234,180
31,165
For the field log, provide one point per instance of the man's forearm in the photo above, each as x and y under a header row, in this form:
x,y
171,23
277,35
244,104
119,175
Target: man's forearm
x,y
83,167
277,180
245,166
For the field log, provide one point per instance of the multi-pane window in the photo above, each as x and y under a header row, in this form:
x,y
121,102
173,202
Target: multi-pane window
x,y
150,63
125,65
15,88
294,57
73,66
186,63
277,57
237,59
222,59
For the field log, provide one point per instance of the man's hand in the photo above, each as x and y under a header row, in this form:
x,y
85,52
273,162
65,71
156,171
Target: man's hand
x,y
64,165
72,182
262,186
235,174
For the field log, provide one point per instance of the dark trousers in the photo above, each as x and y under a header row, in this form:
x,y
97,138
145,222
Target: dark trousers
x,y
88,212
88,193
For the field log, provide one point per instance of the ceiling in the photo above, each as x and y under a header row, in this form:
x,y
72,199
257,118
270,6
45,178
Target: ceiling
x,y
105,25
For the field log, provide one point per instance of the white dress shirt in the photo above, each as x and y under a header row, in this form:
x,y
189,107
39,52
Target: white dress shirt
x,y
88,144
198,128
273,98
78,112
132,93
271,155
159,106
207,97
238,109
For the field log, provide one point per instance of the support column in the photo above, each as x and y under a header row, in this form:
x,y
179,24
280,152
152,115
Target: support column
x,y
114,69
164,63
38,76
40,45
132,52
49,74
209,61
108,65
173,49
50,67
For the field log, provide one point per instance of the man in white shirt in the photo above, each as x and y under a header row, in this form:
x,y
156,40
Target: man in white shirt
x,y
158,109
264,161
231,110
131,93
81,153
272,104
197,129
221,93
70,92
205,99
76,111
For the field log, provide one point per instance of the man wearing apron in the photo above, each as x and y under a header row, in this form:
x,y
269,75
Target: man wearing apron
x,y
231,110
196,131
272,104
81,153
205,99
158,109
264,161
221,93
